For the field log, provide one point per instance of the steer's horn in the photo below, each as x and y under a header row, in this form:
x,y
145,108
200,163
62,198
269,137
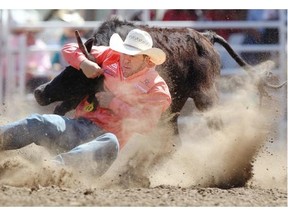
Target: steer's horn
x,y
83,47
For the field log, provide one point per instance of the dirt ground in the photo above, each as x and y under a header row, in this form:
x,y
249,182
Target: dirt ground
x,y
202,172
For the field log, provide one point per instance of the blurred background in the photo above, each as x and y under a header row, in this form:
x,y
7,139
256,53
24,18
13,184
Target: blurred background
x,y
31,39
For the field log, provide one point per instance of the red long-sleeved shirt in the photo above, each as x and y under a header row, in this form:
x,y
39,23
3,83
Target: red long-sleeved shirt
x,y
139,99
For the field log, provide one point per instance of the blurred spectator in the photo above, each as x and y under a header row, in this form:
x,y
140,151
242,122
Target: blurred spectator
x,y
38,61
67,35
38,65
260,35
134,15
270,35
180,15
225,15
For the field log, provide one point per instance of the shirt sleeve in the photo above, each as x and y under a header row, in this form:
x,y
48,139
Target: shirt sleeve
x,y
74,56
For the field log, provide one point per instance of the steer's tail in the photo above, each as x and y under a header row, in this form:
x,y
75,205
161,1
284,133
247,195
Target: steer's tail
x,y
215,38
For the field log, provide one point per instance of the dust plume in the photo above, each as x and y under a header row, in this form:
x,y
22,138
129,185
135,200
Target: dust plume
x,y
206,158
250,149
212,158
219,158
31,167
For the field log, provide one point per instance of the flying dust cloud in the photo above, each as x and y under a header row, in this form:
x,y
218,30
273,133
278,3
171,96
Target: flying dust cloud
x,y
233,156
250,148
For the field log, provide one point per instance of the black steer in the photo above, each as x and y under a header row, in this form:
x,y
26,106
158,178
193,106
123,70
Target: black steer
x,y
192,67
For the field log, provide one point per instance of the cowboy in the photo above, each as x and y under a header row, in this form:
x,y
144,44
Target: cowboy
x,y
134,99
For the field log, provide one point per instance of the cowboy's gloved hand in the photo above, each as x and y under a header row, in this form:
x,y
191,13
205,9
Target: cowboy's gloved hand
x,y
104,98
91,69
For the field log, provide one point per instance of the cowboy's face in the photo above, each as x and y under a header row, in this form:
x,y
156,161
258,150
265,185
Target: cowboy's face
x,y
133,64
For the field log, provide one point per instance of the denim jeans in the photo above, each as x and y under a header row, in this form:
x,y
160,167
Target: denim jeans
x,y
78,142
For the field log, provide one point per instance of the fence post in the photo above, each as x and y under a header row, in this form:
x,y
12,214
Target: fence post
x,y
4,42
282,126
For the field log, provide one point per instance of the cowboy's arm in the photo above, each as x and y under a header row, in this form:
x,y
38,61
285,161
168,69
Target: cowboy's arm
x,y
90,69
77,59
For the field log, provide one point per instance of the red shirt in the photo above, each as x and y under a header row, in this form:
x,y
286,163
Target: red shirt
x,y
139,99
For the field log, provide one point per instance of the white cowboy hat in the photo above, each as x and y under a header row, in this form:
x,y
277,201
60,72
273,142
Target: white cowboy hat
x,y
137,42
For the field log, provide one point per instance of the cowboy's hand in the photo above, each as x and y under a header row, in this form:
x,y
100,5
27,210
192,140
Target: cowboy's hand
x,y
104,98
91,69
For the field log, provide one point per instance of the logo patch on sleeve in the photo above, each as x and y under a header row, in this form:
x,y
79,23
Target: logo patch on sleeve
x,y
89,107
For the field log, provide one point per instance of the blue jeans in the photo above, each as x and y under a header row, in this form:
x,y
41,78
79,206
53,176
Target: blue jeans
x,y
78,142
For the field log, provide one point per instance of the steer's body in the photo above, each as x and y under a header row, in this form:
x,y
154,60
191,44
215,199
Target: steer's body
x,y
191,68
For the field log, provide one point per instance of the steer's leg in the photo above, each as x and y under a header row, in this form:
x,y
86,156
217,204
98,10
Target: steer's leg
x,y
204,101
66,106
